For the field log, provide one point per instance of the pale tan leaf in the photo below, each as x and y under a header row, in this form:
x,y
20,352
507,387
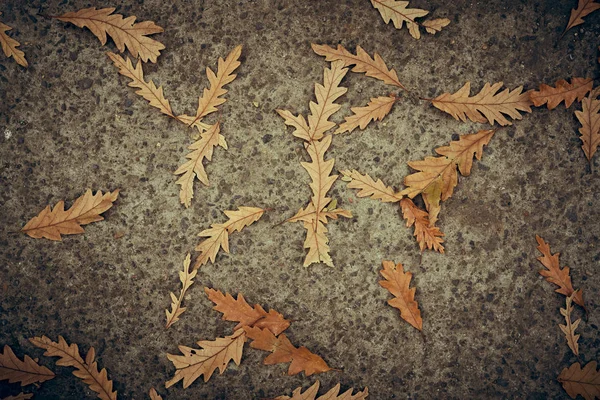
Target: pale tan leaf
x,y
486,106
9,46
570,327
154,395
376,109
318,170
85,370
187,279
302,130
52,223
204,361
317,243
148,90
369,187
427,235
20,396
201,149
218,234
373,67
333,394
435,25
211,97
437,176
26,372
564,91
124,32
584,8
578,381
397,282
398,13
589,117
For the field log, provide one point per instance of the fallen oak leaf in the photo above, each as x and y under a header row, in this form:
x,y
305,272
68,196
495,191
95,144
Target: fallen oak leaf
x,y
434,26
9,46
85,370
570,327
124,32
584,8
332,394
554,274
589,117
204,361
376,109
20,396
154,394
486,106
578,381
26,372
283,351
239,310
397,283
563,91
52,223
376,190
187,279
398,13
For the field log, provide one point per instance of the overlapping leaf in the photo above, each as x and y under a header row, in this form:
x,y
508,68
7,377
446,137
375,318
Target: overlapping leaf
x,y
376,109
204,361
563,91
437,176
52,223
399,13
283,351
486,106
217,236
26,372
578,381
187,279
85,370
589,117
9,46
584,8
397,282
333,394
569,328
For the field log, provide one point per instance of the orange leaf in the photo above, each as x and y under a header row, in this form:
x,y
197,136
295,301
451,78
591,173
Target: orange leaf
x,y
564,91
426,235
154,394
311,394
283,351
239,310
377,109
397,283
27,371
570,327
9,46
187,279
51,224
584,7
584,382
554,274
589,117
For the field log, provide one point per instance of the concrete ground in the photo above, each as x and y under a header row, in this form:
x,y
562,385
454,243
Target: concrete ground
x,y
69,123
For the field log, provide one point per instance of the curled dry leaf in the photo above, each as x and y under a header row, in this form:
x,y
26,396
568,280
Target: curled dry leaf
x,y
376,109
124,31
85,370
578,381
52,223
589,117
187,279
437,176
239,310
554,274
427,235
333,394
397,282
283,351
563,91
584,8
569,328
9,46
374,67
486,106
399,13
204,361
217,235
154,394
26,372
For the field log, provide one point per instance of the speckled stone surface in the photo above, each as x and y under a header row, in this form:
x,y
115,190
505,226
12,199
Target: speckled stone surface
x,y
69,122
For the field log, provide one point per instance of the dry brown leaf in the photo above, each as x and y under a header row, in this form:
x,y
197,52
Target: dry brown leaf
x,y
201,149
427,235
398,13
186,277
376,190
283,351
9,46
373,67
564,91
147,90
27,371
85,370
124,32
20,396
554,274
218,234
204,361
376,109
569,328
397,282
333,394
239,310
154,395
584,382
584,7
486,106
211,97
52,223
438,176
589,117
